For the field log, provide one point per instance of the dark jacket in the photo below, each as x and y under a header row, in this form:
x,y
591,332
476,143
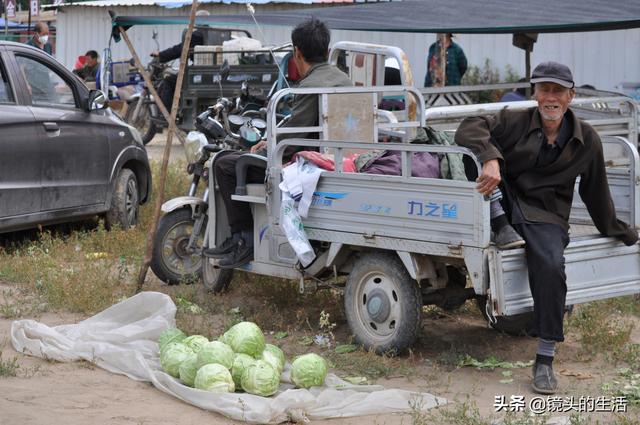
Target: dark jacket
x,y
456,65
46,48
174,52
545,193
87,73
304,112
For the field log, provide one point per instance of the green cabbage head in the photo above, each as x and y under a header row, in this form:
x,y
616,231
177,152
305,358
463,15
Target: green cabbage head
x,y
215,378
308,370
170,335
188,369
172,356
246,338
195,342
240,363
261,379
216,352
274,356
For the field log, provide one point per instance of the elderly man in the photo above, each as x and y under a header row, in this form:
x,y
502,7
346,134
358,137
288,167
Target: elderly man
x,y
40,38
310,50
535,156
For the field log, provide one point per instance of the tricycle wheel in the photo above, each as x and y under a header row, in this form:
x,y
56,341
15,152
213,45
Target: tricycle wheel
x,y
516,325
382,303
215,279
171,261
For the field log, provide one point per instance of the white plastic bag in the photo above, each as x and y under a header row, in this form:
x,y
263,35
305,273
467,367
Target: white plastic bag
x,y
294,229
123,339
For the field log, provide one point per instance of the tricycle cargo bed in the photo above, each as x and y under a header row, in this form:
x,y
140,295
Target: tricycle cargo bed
x,y
597,267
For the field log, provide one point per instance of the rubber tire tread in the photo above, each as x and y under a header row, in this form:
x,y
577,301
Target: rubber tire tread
x,y
117,214
407,332
168,221
221,283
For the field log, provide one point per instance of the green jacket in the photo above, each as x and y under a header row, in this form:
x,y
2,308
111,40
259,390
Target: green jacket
x,y
545,194
47,47
304,112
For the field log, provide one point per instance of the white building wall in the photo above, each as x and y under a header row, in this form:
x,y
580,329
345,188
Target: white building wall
x,y
602,59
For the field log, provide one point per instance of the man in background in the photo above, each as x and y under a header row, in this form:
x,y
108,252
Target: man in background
x,y
89,70
40,38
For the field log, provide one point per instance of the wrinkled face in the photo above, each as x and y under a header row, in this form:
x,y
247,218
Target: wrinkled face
x,y
43,31
553,100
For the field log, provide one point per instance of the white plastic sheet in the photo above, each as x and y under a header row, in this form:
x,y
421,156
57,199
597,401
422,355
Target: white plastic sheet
x,y
122,339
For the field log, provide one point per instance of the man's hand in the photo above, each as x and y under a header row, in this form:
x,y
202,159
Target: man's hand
x,y
155,54
490,177
258,146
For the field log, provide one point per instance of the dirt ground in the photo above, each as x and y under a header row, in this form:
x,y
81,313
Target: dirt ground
x,y
51,393
46,392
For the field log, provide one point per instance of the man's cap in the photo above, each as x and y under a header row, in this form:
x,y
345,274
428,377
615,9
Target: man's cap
x,y
553,72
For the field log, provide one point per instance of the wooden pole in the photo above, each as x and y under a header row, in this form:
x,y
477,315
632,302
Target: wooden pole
x,y
149,84
184,57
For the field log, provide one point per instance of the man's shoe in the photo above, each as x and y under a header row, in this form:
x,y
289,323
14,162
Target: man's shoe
x,y
223,249
507,238
544,380
241,255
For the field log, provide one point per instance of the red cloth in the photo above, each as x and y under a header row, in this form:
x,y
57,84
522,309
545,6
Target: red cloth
x,y
80,62
326,162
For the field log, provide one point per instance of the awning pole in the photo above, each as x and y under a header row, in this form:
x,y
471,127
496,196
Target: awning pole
x,y
167,147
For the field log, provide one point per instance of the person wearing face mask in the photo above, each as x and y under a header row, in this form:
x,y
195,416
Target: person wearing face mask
x,y
535,155
40,38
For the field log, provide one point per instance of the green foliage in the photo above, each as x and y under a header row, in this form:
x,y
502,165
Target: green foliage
x,y
488,74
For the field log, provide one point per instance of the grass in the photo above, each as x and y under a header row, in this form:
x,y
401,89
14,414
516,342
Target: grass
x,y
601,328
81,267
8,367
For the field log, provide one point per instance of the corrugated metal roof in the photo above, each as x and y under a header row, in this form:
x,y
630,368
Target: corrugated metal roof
x,y
171,4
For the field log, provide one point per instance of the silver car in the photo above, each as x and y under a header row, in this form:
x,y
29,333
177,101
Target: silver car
x,y
63,155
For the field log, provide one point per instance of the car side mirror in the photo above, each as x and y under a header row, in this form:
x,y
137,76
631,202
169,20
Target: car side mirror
x,y
97,100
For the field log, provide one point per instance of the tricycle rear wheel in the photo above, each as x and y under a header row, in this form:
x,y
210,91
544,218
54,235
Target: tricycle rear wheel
x,y
383,303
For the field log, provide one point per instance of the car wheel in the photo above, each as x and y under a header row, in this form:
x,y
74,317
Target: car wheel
x,y
383,303
124,201
172,262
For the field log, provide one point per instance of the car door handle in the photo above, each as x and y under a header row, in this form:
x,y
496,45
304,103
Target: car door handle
x,y
51,126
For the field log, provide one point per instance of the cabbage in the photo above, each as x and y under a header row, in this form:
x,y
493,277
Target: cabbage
x,y
170,335
215,378
240,363
195,342
308,370
260,378
188,369
216,352
274,356
172,356
246,338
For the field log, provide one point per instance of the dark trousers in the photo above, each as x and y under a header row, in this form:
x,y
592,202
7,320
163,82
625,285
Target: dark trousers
x,y
544,249
238,213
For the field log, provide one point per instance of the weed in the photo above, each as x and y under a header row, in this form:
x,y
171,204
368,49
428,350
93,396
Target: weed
x,y
626,386
369,364
601,331
8,367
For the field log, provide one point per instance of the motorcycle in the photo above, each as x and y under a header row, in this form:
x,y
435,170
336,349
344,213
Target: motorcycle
x,y
177,251
142,112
